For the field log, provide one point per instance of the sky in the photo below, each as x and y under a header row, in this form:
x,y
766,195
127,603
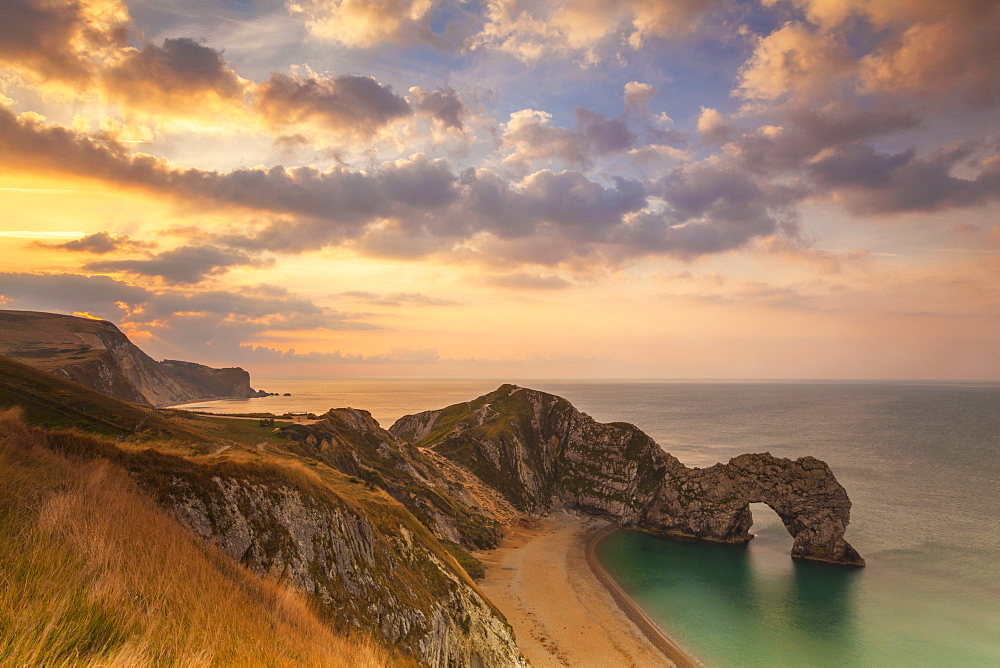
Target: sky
x,y
512,188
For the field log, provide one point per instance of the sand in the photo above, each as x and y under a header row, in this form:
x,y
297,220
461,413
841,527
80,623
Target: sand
x,y
561,611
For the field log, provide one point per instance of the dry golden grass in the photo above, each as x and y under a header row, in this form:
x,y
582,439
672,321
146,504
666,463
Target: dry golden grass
x,y
93,572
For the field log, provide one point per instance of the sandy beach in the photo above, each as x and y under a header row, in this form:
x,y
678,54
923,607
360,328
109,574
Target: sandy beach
x,y
564,612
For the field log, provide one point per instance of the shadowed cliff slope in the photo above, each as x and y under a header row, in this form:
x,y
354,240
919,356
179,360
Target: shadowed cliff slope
x,y
540,452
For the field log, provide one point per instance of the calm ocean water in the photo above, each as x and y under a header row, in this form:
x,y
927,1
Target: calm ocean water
x,y
920,461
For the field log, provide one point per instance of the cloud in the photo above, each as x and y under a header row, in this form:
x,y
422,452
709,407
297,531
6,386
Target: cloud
x,y
931,50
444,105
342,104
102,243
656,157
530,138
926,48
953,49
527,29
58,40
795,60
250,353
526,281
157,77
712,126
872,182
533,30
366,23
708,207
420,206
637,98
206,325
764,294
396,299
601,135
775,150
798,250
186,264
67,293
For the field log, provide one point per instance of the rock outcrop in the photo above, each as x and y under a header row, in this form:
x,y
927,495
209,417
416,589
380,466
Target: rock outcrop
x,y
351,441
96,354
366,561
541,453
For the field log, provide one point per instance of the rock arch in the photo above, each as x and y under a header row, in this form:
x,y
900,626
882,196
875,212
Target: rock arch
x,y
714,504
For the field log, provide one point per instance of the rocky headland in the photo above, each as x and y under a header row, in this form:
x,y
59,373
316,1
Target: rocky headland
x,y
96,354
541,453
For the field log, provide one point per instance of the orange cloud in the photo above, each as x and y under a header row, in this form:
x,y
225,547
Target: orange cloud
x,y
54,40
929,49
365,23
795,59
532,30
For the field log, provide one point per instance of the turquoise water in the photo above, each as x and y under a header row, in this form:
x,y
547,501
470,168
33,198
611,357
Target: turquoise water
x,y
920,461
921,464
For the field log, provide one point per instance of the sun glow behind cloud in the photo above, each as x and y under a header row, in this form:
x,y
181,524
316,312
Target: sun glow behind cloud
x,y
775,189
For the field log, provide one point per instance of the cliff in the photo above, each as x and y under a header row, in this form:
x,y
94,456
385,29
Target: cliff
x,y
352,442
96,354
540,453
230,382
367,564
96,574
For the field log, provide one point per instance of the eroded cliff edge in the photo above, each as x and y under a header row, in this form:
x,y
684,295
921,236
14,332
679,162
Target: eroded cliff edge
x,y
540,453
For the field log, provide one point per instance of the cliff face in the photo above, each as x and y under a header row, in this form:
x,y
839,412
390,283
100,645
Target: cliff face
x,y
351,441
96,354
231,382
540,452
364,559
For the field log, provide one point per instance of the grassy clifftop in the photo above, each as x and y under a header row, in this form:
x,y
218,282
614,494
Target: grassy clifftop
x,y
96,573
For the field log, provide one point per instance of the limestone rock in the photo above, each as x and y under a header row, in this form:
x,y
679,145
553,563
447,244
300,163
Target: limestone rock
x,y
376,569
539,451
351,441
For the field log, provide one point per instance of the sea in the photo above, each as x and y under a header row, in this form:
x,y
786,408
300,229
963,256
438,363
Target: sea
x,y
919,460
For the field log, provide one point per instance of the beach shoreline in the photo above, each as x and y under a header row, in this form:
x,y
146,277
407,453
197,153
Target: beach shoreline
x,y
656,635
564,608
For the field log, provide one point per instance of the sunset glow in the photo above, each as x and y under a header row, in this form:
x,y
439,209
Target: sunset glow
x,y
512,189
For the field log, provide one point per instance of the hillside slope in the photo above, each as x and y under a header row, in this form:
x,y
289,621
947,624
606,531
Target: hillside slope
x,y
96,354
95,573
364,562
55,403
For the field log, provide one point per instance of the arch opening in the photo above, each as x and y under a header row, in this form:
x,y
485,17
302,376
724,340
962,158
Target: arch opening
x,y
767,524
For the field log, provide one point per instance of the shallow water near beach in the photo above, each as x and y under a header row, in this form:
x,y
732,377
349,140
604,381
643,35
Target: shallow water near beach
x,y
920,462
